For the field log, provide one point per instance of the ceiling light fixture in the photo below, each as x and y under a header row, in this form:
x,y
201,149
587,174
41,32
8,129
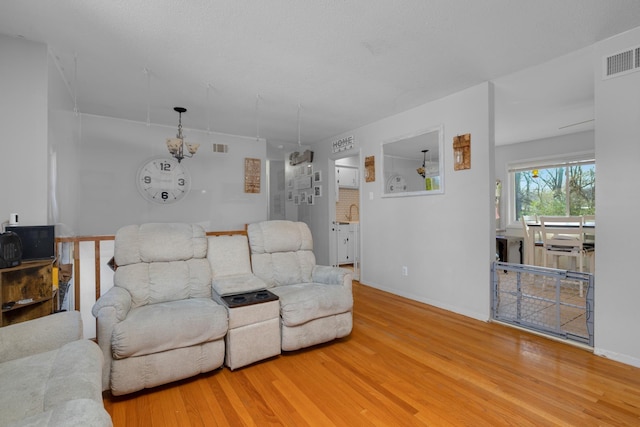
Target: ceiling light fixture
x,y
176,145
422,170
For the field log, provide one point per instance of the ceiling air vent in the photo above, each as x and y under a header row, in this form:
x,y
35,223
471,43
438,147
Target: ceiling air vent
x,y
622,63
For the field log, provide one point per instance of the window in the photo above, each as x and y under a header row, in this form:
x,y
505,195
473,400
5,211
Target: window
x,y
558,188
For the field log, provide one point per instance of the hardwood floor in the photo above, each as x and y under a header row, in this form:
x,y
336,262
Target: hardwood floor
x,y
405,363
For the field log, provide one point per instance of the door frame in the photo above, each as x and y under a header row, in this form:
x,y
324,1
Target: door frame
x,y
332,190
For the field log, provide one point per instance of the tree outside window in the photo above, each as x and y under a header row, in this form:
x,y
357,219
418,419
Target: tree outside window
x,y
568,189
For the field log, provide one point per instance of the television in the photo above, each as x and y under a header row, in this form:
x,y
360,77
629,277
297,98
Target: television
x,y
38,241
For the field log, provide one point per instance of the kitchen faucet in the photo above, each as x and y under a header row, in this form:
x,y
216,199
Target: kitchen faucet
x,y
350,216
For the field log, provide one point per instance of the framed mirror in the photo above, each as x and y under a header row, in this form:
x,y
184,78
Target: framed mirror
x,y
413,165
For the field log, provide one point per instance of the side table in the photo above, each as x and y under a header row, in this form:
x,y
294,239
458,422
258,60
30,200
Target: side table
x,y
254,328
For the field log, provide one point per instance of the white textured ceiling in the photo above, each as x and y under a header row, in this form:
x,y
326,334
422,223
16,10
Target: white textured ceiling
x,y
347,63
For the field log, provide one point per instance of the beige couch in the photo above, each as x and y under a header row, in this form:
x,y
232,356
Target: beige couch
x,y
164,319
159,323
49,375
316,301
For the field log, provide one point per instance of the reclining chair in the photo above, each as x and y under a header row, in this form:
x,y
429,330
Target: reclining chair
x,y
316,302
158,323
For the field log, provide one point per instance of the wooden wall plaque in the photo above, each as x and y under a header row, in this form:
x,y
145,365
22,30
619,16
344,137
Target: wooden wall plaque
x,y
369,168
462,152
251,175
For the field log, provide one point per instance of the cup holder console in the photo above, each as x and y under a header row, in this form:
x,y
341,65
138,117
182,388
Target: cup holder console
x,y
249,298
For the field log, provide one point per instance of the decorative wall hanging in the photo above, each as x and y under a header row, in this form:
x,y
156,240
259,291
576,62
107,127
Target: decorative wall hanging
x,y
462,152
296,158
251,175
369,169
342,144
302,182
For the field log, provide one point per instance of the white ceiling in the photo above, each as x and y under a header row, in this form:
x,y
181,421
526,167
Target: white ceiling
x,y
248,67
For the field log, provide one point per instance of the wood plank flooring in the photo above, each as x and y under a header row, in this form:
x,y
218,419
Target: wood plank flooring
x,y
405,364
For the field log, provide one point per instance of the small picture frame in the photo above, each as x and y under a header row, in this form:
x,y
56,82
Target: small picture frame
x,y
296,199
290,195
317,176
317,190
303,197
310,199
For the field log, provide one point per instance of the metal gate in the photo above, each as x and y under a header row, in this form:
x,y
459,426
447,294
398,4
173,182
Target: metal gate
x,y
552,301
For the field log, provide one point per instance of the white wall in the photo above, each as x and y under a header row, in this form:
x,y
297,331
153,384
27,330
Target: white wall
x,y
64,142
446,241
23,116
107,159
617,133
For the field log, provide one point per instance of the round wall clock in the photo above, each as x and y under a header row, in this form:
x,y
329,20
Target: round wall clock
x,y
396,184
163,181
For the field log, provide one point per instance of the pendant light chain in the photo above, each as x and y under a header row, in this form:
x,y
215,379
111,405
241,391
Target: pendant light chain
x,y
299,142
148,74
257,117
75,84
209,88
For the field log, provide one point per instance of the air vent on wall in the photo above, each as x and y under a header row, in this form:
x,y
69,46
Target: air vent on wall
x,y
621,63
220,148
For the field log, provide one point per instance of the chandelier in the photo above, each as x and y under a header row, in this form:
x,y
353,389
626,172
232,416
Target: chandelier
x,y
176,145
422,170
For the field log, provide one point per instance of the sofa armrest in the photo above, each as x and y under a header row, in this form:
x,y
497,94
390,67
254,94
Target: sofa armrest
x,y
332,275
237,284
39,335
110,309
118,299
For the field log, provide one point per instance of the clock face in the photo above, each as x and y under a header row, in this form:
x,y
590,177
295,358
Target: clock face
x,y
396,184
163,181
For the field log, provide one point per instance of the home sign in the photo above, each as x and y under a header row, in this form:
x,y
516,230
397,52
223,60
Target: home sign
x,y
343,144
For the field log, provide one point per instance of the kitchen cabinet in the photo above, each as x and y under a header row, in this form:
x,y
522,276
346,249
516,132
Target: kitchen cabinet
x,y
26,291
347,242
347,177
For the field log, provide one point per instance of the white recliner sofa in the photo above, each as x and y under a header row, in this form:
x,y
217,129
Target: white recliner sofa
x,y
49,375
316,302
158,323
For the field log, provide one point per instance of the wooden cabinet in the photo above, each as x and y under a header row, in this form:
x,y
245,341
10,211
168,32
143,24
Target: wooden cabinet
x,y
347,247
347,177
29,287
344,244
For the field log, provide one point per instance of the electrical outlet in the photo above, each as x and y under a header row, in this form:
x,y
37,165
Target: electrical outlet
x,y
405,270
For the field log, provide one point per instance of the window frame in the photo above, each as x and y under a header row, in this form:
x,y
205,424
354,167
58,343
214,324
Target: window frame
x,y
541,163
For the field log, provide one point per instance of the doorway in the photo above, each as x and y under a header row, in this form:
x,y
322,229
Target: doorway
x,y
345,214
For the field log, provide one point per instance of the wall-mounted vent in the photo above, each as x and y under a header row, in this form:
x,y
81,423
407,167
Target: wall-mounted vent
x,y
220,148
621,63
